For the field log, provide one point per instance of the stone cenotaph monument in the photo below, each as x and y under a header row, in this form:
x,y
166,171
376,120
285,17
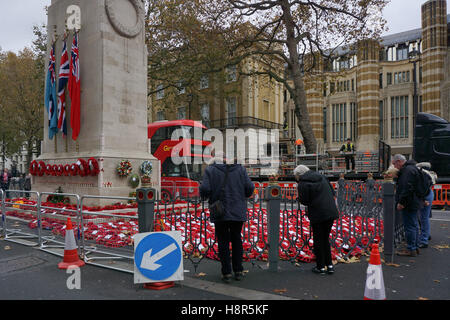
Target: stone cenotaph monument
x,y
113,116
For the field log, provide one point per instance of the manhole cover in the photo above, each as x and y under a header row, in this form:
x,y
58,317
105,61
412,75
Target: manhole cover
x,y
16,264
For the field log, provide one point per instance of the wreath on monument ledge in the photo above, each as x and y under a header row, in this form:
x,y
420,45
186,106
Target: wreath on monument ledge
x,y
93,167
124,168
34,167
81,167
146,168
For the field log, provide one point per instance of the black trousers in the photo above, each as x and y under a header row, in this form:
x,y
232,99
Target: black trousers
x,y
230,232
322,250
349,159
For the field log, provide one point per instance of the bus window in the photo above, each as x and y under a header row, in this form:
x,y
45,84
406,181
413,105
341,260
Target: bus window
x,y
190,171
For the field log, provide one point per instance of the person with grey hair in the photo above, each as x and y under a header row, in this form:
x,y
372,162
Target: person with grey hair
x,y
425,211
317,194
408,202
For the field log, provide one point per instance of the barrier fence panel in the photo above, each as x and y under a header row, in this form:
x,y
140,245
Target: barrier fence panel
x,y
441,195
107,233
17,216
361,217
55,209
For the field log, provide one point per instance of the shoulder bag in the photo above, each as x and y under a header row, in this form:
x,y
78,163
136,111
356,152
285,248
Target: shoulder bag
x,y
217,209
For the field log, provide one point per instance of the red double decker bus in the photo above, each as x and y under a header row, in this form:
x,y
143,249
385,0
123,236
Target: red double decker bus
x,y
186,136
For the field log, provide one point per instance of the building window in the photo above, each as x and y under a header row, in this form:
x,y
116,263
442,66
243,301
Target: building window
x,y
181,113
401,77
402,53
399,117
180,87
381,80
160,115
160,92
339,120
389,78
204,82
231,73
231,111
325,128
204,112
344,64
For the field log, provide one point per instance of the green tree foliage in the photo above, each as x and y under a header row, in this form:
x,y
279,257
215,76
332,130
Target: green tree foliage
x,y
22,80
190,37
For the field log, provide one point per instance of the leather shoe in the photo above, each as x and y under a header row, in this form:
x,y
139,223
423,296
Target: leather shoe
x,y
319,271
423,245
239,276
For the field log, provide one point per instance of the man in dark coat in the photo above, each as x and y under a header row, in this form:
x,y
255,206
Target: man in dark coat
x,y
315,192
408,203
236,191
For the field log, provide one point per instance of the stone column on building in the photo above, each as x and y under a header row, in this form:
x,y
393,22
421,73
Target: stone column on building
x,y
368,95
113,72
434,52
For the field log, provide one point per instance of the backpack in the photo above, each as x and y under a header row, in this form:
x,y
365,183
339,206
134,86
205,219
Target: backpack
x,y
424,183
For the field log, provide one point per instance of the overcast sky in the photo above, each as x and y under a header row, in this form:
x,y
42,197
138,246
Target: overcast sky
x,y
17,18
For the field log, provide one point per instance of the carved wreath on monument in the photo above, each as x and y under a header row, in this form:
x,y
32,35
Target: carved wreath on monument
x,y
114,18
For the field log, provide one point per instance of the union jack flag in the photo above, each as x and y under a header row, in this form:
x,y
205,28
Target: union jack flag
x,y
50,95
75,88
63,79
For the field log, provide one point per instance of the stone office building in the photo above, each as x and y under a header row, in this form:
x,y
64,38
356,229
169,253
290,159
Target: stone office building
x,y
372,92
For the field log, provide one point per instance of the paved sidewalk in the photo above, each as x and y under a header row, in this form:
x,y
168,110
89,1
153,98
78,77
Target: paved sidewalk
x,y
30,274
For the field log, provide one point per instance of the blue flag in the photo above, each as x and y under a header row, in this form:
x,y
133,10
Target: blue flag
x,y
50,95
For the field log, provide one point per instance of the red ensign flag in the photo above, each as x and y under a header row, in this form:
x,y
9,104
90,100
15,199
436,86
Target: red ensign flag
x,y
74,88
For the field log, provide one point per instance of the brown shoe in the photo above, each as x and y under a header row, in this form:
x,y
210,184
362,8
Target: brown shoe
x,y
408,253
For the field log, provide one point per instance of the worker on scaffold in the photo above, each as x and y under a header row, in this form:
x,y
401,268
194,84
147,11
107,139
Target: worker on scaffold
x,y
348,149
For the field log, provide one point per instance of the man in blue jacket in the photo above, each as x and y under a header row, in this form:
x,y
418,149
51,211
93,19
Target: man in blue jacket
x,y
236,191
407,202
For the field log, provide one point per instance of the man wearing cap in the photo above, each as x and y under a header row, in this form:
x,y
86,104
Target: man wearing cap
x,y
349,157
317,194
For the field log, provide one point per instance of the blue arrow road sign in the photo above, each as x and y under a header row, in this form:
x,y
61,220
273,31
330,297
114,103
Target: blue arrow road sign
x,y
158,256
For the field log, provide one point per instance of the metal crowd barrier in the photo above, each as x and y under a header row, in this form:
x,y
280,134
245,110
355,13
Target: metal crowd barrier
x,y
441,195
277,226
106,236
53,218
17,214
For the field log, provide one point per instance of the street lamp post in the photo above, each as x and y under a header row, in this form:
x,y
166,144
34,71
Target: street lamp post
x,y
414,57
190,97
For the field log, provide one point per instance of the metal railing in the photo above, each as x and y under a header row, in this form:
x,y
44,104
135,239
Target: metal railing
x,y
240,122
277,226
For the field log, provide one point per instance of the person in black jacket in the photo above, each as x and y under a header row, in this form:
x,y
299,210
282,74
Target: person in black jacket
x,y
407,202
237,189
315,192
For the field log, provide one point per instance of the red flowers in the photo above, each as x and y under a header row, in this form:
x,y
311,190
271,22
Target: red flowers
x,y
81,167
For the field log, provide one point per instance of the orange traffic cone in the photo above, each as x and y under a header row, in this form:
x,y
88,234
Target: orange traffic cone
x,y
71,258
159,285
374,282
